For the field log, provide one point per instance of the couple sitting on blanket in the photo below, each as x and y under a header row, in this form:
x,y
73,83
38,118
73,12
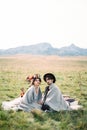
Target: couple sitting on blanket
x,y
52,99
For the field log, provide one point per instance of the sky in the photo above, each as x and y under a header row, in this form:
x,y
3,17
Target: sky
x,y
28,22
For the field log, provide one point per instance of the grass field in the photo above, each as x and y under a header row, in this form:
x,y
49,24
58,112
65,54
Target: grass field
x,y
71,75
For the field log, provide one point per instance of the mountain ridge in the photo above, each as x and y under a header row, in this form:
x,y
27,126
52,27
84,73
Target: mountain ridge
x,y
45,49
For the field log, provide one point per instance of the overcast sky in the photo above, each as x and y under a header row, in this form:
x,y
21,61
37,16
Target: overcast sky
x,y
58,22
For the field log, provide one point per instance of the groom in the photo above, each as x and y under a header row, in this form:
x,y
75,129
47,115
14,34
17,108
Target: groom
x,y
53,99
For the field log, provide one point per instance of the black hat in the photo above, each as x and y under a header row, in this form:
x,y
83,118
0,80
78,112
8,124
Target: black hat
x,y
50,76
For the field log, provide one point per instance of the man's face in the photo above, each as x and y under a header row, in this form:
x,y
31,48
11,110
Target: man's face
x,y
49,81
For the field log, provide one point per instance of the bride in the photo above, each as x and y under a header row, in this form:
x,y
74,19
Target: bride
x,y
29,101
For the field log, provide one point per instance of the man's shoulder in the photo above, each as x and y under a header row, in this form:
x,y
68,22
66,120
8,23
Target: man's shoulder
x,y
56,87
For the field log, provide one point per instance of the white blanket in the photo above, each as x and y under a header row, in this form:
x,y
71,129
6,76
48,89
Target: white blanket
x,y
55,99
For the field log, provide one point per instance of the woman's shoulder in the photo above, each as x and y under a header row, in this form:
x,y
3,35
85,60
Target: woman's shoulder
x,y
30,88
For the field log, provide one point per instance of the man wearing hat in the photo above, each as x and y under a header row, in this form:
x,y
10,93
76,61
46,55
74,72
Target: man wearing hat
x,y
53,99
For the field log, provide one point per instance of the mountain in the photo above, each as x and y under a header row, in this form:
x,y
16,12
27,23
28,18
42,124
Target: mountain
x,y
72,50
46,49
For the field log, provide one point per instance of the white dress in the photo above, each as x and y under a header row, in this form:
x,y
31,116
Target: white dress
x,y
7,105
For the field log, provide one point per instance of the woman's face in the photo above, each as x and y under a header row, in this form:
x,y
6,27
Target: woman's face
x,y
37,82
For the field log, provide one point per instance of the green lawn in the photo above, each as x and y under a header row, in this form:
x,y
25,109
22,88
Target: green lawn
x,y
71,74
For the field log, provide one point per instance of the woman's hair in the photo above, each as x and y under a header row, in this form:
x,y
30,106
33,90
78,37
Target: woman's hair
x,y
34,79
31,77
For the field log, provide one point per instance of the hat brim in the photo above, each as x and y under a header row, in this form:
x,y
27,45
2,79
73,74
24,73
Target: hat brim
x,y
49,75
